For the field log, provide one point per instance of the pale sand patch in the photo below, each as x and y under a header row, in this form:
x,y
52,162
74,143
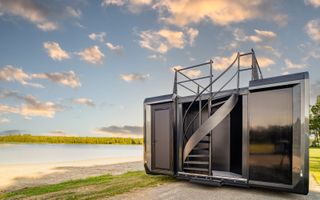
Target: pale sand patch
x,y
16,176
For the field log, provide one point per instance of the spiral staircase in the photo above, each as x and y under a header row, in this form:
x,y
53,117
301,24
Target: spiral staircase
x,y
197,146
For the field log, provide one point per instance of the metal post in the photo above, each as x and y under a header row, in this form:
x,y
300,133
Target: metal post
x,y
175,89
238,81
209,114
200,108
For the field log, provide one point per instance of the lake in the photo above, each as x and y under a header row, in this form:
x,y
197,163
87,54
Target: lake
x,y
44,153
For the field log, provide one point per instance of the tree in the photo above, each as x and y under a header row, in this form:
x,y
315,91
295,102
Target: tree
x,y
314,123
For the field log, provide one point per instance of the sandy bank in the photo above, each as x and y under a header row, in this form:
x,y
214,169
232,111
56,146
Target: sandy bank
x,y
16,176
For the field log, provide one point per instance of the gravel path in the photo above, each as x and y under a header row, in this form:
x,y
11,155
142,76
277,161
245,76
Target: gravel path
x,y
183,190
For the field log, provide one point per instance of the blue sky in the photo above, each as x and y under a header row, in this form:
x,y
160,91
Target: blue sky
x,y
84,67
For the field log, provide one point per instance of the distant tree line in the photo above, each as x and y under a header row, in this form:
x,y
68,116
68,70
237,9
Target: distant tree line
x,y
27,138
314,123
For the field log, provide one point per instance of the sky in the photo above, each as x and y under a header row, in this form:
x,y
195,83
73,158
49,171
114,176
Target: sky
x,y
84,67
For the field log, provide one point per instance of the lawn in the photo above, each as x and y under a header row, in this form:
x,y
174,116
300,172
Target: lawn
x,y
314,159
90,188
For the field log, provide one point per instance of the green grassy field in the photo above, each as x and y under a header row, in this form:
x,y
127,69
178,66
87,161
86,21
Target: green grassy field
x,y
90,188
26,138
314,159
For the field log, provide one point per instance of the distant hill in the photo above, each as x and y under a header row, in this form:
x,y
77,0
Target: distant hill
x,y
27,138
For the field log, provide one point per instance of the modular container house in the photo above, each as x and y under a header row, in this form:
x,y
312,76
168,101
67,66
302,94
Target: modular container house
x,y
228,134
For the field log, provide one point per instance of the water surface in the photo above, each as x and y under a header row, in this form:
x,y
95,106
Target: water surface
x,y
44,153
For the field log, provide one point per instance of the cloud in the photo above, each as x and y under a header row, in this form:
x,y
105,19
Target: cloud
x,y
69,78
134,77
11,74
120,131
314,3
4,120
192,33
191,73
84,101
135,6
11,132
315,90
31,107
270,49
221,12
32,11
98,36
221,63
291,65
55,51
313,29
73,12
115,48
92,55
157,57
165,39
59,133
259,36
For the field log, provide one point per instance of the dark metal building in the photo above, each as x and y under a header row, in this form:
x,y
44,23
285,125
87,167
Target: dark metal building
x,y
225,134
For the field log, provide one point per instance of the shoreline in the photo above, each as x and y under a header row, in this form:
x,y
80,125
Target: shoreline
x,y
17,176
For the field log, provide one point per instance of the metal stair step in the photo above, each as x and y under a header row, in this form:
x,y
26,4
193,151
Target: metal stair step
x,y
198,156
204,141
217,104
196,169
197,162
200,148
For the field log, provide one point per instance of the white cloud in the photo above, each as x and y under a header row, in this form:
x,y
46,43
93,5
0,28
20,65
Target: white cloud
x,y
115,48
165,39
73,12
4,120
120,131
191,73
10,74
192,33
221,12
270,49
112,2
134,77
69,78
32,11
55,51
98,36
92,55
135,6
221,63
84,101
259,36
285,73
32,107
314,3
313,29
291,65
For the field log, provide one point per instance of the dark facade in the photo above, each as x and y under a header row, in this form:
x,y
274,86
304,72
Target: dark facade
x,y
255,136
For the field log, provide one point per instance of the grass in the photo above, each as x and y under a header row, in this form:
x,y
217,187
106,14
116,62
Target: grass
x,y
314,159
91,188
108,185
27,138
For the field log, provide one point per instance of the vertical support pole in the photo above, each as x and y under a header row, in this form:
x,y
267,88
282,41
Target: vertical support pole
x,y
175,88
200,106
238,72
209,114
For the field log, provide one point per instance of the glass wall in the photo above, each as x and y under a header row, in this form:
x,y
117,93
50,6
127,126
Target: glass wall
x,y
270,133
